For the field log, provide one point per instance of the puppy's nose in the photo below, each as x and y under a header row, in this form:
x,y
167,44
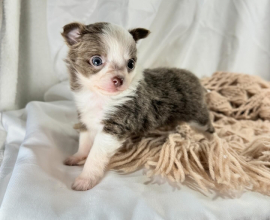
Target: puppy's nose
x,y
118,81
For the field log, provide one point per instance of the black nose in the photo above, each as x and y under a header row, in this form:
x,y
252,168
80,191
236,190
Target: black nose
x,y
118,81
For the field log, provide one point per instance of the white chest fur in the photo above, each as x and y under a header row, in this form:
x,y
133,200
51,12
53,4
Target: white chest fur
x,y
91,107
94,108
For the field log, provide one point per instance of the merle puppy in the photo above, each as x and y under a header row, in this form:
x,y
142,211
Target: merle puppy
x,y
115,100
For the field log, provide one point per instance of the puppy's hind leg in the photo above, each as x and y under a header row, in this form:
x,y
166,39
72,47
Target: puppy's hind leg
x,y
85,143
207,130
202,123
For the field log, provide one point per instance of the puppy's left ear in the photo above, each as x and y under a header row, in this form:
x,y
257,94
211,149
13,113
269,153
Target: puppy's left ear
x,y
139,33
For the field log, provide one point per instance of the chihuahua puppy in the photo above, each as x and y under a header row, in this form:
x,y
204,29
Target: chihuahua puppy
x,y
115,101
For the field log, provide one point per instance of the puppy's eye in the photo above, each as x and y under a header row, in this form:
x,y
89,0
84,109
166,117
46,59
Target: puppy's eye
x,y
96,61
131,64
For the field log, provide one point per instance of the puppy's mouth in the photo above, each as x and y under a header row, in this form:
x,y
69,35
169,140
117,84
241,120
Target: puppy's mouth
x,y
109,92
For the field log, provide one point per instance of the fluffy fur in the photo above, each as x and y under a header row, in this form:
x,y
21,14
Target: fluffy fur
x,y
116,101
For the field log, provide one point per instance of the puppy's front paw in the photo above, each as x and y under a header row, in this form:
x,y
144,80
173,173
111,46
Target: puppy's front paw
x,y
83,183
74,160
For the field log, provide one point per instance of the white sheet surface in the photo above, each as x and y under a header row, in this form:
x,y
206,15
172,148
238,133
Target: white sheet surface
x,y
34,183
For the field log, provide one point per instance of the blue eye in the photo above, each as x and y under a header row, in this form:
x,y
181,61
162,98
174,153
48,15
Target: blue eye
x,y
131,64
96,61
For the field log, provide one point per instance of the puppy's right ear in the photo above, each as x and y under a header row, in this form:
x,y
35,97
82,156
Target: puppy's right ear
x,y
72,33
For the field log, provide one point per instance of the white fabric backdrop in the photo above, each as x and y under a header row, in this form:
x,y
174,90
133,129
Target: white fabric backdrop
x,y
201,35
26,70
9,56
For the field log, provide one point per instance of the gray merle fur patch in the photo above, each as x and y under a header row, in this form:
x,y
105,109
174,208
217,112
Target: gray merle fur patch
x,y
165,97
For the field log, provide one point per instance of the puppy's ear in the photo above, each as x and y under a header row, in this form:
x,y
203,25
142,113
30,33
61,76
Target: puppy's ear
x,y
72,33
139,33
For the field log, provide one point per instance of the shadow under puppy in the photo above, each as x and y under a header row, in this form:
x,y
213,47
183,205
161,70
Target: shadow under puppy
x,y
115,100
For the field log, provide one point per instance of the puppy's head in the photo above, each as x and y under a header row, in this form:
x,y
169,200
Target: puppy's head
x,y
102,56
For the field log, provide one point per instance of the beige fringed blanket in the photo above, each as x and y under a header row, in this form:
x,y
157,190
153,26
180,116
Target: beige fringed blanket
x,y
237,159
